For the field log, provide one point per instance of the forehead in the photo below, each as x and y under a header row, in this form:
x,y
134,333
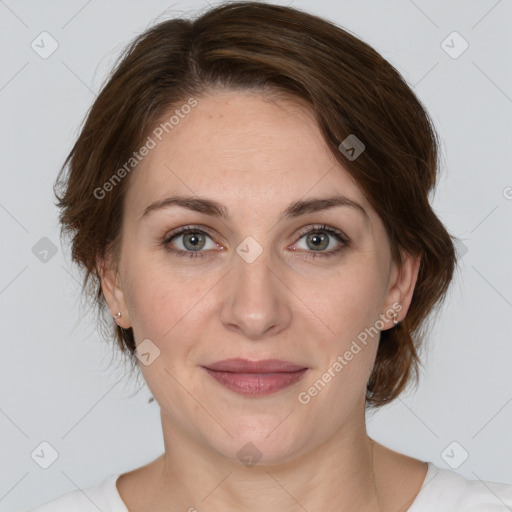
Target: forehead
x,y
241,148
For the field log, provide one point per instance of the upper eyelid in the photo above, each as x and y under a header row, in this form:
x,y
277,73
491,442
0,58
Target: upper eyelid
x,y
325,227
185,229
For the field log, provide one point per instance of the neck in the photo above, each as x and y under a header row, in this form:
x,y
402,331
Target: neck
x,y
337,475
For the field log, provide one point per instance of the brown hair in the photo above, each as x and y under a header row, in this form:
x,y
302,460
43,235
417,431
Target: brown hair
x,y
350,88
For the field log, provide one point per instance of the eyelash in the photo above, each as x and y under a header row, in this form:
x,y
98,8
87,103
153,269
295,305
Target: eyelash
x,y
338,235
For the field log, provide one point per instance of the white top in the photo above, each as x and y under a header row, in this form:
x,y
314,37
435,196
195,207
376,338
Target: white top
x,y
443,490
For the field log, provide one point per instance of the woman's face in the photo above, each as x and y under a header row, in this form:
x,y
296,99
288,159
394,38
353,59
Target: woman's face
x,y
254,284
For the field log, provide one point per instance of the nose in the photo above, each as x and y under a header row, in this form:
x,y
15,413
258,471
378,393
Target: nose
x,y
257,300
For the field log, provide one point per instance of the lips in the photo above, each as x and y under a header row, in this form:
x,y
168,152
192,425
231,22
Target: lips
x,y
239,365
255,378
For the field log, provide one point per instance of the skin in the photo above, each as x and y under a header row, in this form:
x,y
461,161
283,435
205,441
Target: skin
x,y
256,156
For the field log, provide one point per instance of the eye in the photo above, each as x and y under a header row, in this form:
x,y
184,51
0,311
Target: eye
x,y
189,242
319,238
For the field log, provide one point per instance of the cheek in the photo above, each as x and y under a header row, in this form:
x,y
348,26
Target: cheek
x,y
348,301
348,305
162,303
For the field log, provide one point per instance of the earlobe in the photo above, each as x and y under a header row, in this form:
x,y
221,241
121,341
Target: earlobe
x,y
401,290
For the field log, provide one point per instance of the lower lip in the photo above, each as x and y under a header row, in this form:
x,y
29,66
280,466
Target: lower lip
x,y
256,384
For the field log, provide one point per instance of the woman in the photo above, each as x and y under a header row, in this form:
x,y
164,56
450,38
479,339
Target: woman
x,y
249,199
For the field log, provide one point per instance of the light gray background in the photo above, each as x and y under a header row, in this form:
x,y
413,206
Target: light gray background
x,y
58,381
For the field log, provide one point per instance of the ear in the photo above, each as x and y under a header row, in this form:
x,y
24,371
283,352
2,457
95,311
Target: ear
x,y
112,290
401,289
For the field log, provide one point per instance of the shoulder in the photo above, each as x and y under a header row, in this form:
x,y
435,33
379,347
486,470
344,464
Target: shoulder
x,y
103,496
445,490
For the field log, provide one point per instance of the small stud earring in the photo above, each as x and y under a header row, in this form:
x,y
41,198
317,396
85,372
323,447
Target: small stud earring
x,y
116,317
395,321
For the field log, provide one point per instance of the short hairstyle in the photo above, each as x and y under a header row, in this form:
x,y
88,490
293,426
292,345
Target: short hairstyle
x,y
350,88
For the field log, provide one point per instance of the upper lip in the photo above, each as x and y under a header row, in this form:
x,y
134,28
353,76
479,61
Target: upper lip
x,y
239,365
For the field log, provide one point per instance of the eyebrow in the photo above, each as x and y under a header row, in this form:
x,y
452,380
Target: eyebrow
x,y
216,209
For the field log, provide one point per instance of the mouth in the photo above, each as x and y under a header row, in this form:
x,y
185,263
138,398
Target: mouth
x,y
255,378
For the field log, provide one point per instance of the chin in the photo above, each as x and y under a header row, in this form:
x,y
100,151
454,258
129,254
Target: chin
x,y
258,444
